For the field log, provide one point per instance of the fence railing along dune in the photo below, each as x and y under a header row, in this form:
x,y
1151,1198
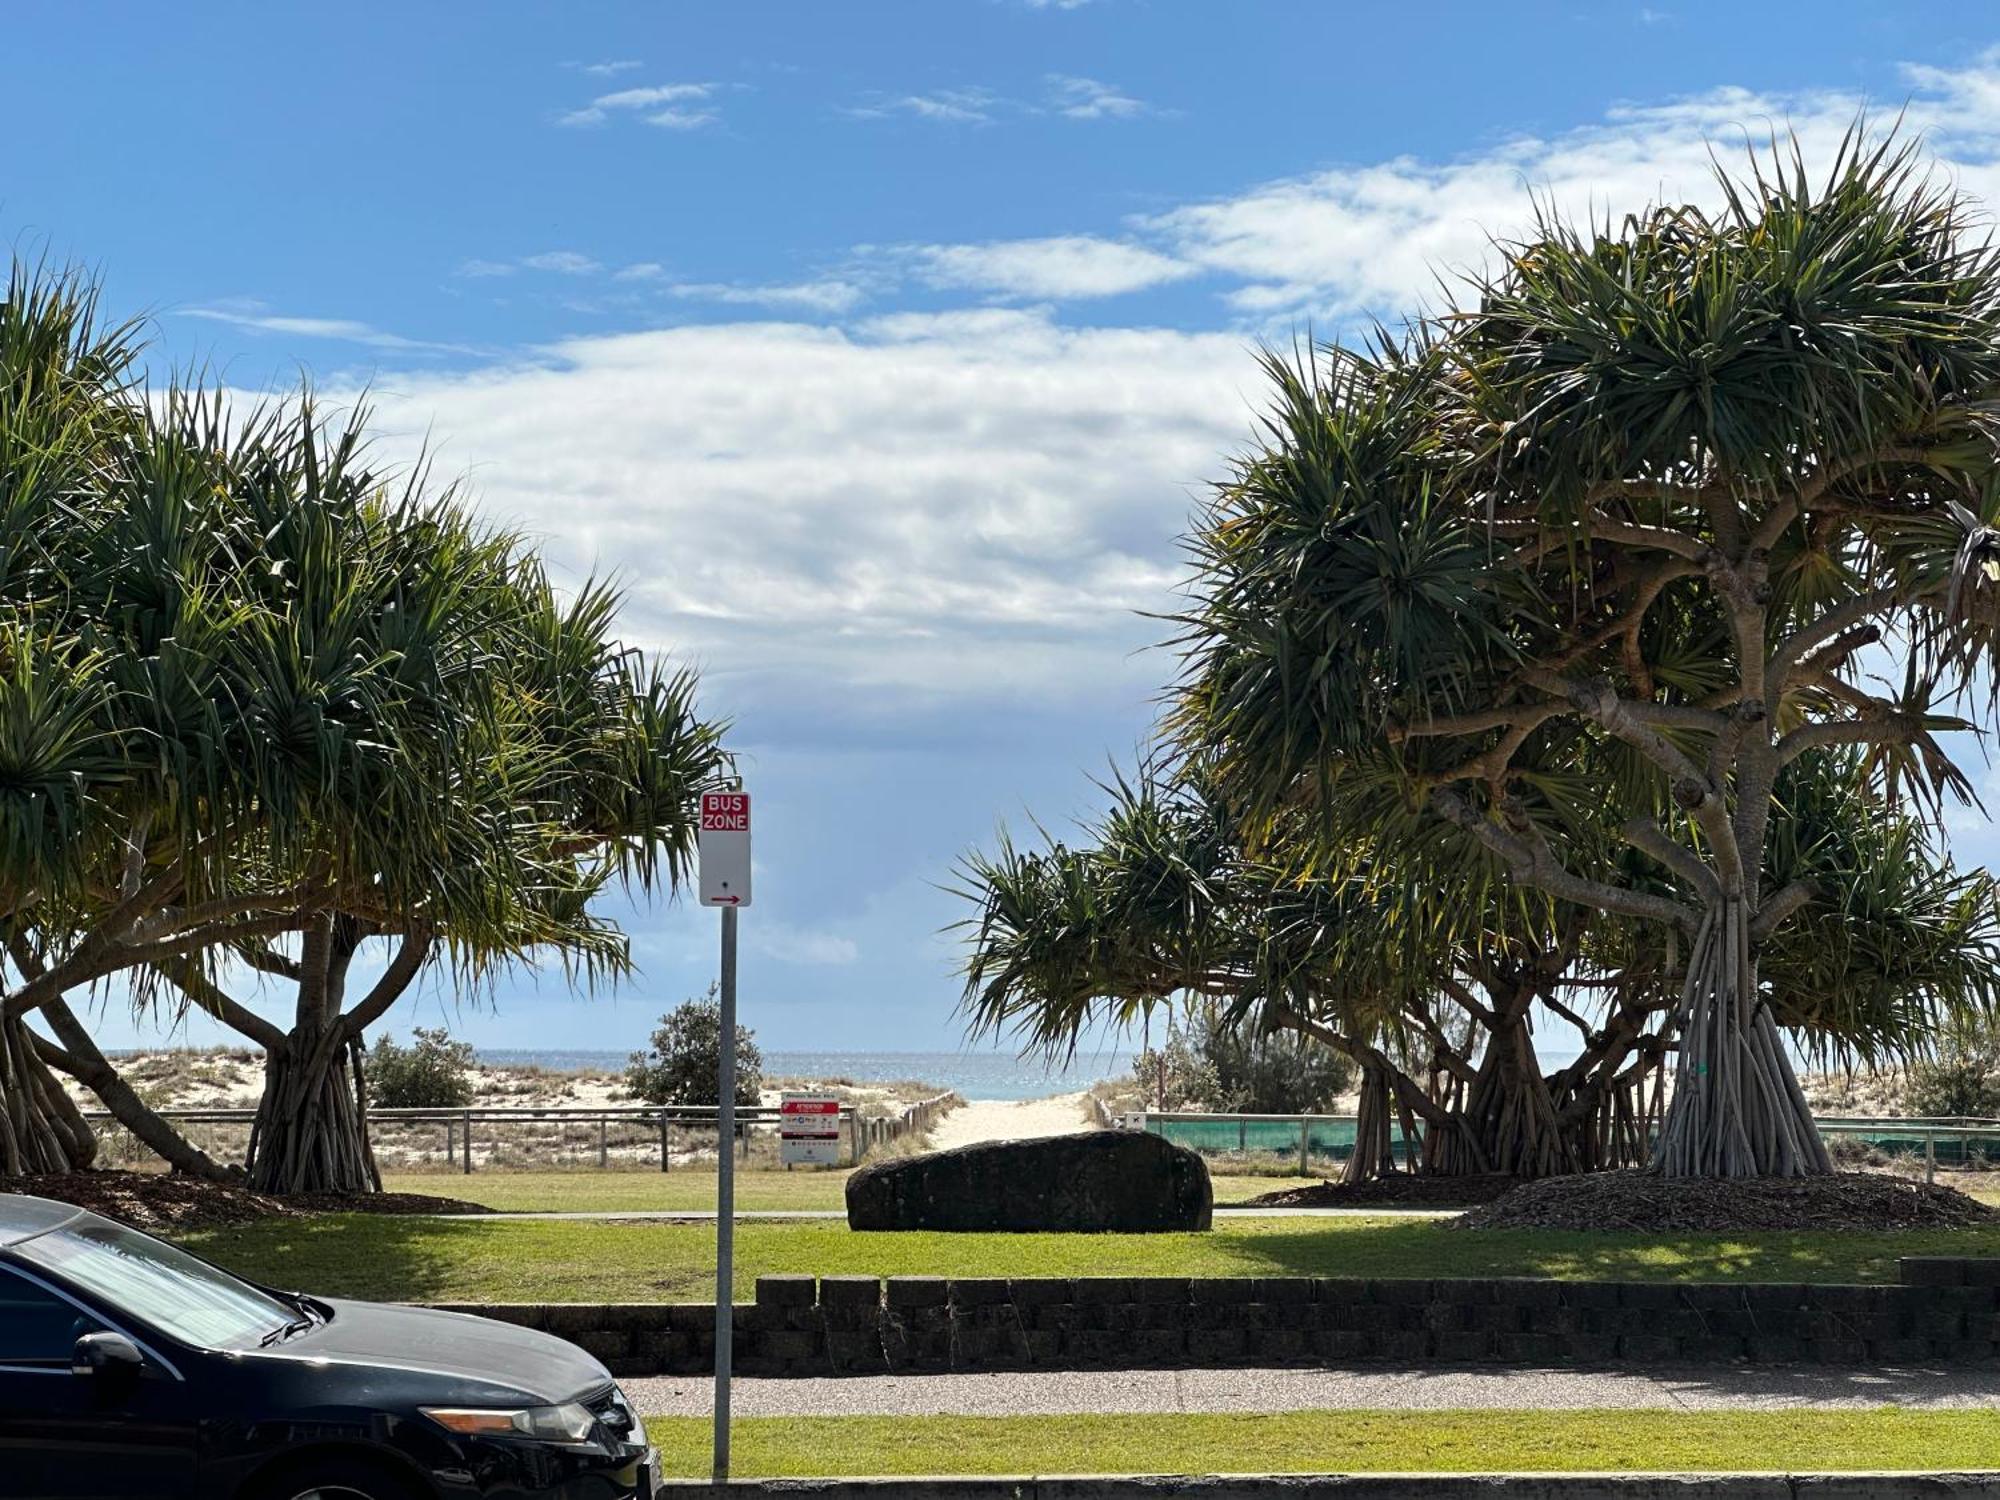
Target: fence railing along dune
x,y
1954,1141
514,1136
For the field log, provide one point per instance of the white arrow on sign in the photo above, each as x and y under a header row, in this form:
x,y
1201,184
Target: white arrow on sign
x,y
724,849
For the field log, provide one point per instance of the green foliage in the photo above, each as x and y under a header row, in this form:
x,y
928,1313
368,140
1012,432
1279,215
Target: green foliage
x,y
1272,1073
683,1065
1214,1062
1175,1075
433,1072
250,672
1962,1079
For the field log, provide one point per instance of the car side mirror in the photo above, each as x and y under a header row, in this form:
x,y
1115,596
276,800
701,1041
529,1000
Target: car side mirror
x,y
107,1356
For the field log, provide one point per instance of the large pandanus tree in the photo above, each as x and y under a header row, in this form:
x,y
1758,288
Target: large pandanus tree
x,y
1710,491
347,736
1438,988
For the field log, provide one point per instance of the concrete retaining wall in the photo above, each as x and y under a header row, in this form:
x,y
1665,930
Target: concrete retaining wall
x,y
1944,1311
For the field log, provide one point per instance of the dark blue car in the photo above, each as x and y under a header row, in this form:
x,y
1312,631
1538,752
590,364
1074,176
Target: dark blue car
x,y
132,1370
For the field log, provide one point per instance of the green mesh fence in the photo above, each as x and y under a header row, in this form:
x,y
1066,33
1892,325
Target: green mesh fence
x,y
1331,1137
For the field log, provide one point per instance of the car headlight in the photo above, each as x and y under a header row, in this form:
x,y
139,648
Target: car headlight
x,y
571,1422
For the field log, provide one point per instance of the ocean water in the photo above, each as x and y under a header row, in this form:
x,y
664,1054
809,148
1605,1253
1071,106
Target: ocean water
x,y
976,1075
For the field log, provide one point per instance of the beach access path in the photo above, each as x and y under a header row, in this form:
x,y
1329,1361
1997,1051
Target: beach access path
x,y
1012,1120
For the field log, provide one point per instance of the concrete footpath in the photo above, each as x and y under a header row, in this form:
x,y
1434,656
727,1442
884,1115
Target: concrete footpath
x,y
1051,1393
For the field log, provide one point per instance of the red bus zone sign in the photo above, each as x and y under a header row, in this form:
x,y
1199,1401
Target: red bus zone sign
x,y
723,849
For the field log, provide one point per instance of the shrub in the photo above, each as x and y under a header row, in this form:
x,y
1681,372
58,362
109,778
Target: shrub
x,y
433,1072
1174,1076
1963,1079
1276,1073
684,1064
1214,1064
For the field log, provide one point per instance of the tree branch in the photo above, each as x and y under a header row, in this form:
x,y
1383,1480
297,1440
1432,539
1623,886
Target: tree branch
x,y
1533,864
1772,915
409,961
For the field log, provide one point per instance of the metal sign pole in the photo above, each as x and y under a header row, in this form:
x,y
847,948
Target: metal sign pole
x,y
725,1200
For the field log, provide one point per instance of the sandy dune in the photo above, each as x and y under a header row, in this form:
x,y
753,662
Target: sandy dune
x,y
1011,1120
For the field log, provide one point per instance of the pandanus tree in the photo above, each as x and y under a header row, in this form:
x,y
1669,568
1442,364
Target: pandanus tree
x,y
1435,986
337,727
1685,488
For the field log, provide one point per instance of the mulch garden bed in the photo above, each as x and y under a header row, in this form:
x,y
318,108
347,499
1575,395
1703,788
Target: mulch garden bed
x,y
160,1201
1641,1201
1399,1191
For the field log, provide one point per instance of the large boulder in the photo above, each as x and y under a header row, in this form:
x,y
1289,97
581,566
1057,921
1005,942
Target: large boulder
x,y
1099,1180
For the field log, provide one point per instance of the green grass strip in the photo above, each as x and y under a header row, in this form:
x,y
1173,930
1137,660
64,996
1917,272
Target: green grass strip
x,y
591,1191
406,1259
1342,1442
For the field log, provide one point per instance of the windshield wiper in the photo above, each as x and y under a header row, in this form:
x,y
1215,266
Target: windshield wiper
x,y
279,1335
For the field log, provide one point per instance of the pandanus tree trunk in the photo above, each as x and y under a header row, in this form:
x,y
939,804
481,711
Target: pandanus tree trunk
x,y
311,1132
41,1130
1737,1108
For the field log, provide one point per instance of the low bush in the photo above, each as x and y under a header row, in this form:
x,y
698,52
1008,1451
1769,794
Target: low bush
x,y
433,1072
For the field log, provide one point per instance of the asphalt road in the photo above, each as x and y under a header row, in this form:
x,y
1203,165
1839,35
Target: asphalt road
x,y
1057,1392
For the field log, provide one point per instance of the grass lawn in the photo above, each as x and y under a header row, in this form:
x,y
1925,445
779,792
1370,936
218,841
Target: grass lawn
x,y
1361,1441
591,1190
426,1259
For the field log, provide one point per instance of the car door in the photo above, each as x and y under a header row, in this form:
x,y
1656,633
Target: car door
x,y
65,1436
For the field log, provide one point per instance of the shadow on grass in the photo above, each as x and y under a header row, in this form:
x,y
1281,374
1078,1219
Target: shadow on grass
x,y
1418,1250
378,1257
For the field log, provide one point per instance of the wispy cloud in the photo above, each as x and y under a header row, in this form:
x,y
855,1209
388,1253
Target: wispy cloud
x,y
1058,267
252,316
1065,95
828,296
563,262
609,69
675,106
971,106
555,262
1087,99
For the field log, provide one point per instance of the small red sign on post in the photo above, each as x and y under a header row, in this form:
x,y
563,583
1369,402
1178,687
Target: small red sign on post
x,y
724,849
809,1130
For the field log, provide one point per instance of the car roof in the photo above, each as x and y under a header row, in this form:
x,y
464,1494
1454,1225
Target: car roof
x,y
23,1217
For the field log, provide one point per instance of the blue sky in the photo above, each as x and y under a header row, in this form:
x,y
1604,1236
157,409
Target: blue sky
x,y
879,349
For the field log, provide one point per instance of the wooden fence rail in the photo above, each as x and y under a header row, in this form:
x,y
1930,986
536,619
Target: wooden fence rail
x,y
464,1128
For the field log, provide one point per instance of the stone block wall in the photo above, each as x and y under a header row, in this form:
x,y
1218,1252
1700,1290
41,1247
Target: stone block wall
x,y
1942,1311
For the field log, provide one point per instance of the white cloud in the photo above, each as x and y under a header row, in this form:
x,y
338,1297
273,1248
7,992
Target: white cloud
x,y
251,316
1373,237
563,262
830,296
650,99
682,119
485,268
1087,99
970,106
928,508
609,69
645,270
1062,266
802,945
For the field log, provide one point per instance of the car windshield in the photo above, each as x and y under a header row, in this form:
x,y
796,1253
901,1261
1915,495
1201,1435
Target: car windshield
x,y
158,1284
